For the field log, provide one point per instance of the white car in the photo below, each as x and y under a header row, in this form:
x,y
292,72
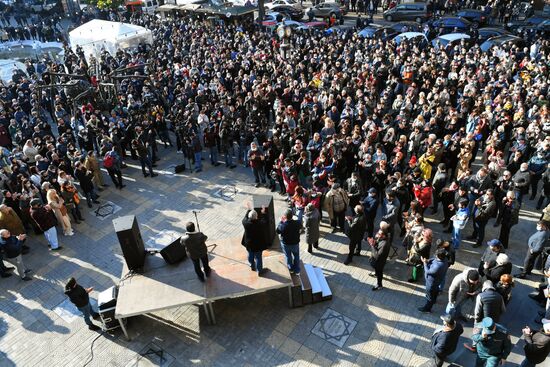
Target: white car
x,y
293,3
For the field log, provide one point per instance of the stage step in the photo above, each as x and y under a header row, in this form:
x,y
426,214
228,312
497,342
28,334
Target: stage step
x,y
307,293
310,286
326,293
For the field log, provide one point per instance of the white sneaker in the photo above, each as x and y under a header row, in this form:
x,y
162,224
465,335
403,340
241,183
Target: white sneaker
x,y
179,152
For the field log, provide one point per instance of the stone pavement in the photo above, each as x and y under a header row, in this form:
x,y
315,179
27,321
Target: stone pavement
x,y
380,329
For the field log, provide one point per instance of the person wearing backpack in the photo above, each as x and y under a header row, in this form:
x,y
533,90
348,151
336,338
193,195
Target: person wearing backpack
x,y
111,162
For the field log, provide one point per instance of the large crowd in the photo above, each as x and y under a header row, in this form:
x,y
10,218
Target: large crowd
x,y
341,125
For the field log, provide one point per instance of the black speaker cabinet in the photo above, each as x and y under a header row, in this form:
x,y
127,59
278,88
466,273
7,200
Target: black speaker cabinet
x,y
266,201
130,240
174,252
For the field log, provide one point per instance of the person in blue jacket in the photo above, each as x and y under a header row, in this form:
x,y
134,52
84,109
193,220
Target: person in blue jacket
x,y
435,270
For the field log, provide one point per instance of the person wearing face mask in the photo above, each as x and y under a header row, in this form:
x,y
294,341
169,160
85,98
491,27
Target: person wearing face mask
x,y
445,339
535,245
522,179
485,208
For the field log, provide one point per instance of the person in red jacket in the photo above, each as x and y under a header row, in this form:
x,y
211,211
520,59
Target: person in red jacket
x,y
423,194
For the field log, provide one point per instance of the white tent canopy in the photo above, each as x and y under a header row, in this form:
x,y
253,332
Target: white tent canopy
x,y
97,35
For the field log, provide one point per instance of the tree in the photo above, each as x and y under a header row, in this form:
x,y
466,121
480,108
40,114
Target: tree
x,y
107,4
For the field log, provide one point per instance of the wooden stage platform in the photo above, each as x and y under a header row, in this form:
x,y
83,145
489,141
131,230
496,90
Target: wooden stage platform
x,y
161,286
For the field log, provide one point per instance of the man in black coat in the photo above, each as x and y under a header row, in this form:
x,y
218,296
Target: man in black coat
x,y
84,177
485,207
255,227
79,296
445,339
379,254
195,245
356,231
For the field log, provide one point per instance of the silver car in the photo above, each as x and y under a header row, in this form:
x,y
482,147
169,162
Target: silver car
x,y
325,10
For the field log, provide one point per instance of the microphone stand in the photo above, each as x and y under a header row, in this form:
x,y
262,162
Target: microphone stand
x,y
197,220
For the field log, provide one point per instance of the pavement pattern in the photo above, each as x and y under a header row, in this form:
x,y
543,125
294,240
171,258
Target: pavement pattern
x,y
381,328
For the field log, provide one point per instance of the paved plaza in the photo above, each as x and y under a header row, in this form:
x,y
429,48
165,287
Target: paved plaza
x,y
358,327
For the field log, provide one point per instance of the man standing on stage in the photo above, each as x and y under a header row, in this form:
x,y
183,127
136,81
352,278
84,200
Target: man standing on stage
x,y
195,244
255,227
289,231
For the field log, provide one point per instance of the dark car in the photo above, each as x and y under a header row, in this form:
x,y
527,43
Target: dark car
x,y
487,32
410,11
473,15
401,27
377,31
289,11
517,26
449,24
502,40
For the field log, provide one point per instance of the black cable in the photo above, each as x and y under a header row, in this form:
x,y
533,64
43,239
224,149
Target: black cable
x,y
92,349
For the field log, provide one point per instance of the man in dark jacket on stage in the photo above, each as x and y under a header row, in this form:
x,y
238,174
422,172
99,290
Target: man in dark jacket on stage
x,y
255,227
289,231
195,244
79,296
356,231
379,254
445,339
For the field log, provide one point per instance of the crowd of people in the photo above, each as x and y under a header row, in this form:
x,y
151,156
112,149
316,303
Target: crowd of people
x,y
342,126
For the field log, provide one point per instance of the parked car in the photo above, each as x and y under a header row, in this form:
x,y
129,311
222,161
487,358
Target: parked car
x,y
406,26
411,36
271,19
487,32
324,10
502,40
473,15
289,12
449,24
409,11
377,31
517,26
447,41
292,3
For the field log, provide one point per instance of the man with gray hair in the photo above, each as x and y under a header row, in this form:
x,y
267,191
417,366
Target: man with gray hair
x,y
11,247
289,233
255,227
